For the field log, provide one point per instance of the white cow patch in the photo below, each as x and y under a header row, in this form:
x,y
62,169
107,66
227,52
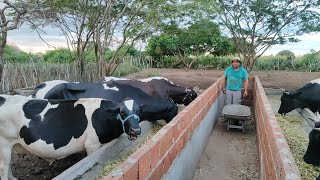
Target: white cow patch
x,y
49,85
152,78
129,104
106,87
49,106
315,81
47,151
109,78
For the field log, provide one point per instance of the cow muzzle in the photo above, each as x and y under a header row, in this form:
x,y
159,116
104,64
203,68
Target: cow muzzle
x,y
133,134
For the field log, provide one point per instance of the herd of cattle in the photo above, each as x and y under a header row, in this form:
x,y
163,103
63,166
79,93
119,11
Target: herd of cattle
x,y
62,118
307,96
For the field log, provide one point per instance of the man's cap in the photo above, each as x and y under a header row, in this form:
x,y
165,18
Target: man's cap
x,y
236,59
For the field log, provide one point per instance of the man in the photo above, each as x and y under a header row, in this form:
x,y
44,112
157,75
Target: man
x,y
235,76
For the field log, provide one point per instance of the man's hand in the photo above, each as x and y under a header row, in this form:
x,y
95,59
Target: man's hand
x,y
224,90
245,93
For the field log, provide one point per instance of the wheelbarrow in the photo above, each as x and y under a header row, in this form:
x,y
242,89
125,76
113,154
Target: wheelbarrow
x,y
236,113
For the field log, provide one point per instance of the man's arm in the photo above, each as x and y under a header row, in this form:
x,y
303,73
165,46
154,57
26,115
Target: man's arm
x,y
245,86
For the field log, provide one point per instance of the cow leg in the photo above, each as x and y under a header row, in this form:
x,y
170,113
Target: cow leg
x,y
5,159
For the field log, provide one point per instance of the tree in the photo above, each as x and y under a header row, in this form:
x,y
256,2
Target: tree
x,y
257,25
286,53
10,15
77,21
195,40
123,23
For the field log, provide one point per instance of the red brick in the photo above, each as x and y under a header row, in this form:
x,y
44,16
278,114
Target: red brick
x,y
130,169
166,163
176,132
157,173
173,153
144,161
166,141
155,154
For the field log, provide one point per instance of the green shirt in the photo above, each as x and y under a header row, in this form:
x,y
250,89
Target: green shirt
x,y
235,78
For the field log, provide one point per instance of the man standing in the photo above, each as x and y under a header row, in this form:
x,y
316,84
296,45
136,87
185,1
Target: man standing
x,y
235,76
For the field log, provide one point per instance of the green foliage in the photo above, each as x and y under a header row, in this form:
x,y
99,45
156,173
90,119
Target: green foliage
x,y
59,56
286,53
13,54
125,68
309,62
162,45
216,62
274,63
195,39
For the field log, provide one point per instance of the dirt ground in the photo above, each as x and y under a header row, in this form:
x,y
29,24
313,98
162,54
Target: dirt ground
x,y
229,155
204,78
31,167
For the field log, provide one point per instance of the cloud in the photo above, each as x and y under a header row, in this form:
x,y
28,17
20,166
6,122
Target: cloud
x,y
307,42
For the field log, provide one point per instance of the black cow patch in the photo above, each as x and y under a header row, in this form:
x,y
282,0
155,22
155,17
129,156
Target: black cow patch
x,y
106,128
37,88
57,126
2,100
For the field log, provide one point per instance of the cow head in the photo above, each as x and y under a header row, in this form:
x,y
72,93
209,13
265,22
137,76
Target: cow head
x,y
312,155
289,102
190,96
128,111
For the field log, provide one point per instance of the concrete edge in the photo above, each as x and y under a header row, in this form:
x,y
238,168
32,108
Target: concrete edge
x,y
309,116
273,91
106,152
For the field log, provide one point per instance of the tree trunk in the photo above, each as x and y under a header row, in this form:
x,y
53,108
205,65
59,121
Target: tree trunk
x,y
2,61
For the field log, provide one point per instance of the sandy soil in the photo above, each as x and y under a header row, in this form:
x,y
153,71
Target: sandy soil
x,y
31,167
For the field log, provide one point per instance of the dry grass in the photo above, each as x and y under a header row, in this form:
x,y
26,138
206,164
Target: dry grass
x,y
298,142
18,75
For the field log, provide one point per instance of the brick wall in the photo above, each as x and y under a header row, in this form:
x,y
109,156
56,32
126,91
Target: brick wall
x,y
154,158
276,161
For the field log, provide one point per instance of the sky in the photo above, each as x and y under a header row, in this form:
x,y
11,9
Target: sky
x,y
29,41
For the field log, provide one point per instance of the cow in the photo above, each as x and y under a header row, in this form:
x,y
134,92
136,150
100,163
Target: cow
x,y
159,87
312,155
54,129
150,108
304,97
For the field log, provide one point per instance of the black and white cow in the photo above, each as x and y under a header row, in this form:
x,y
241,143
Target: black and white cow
x,y
159,87
307,96
54,129
150,108
312,155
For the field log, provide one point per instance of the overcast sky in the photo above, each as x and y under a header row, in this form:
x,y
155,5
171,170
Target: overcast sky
x,y
29,41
